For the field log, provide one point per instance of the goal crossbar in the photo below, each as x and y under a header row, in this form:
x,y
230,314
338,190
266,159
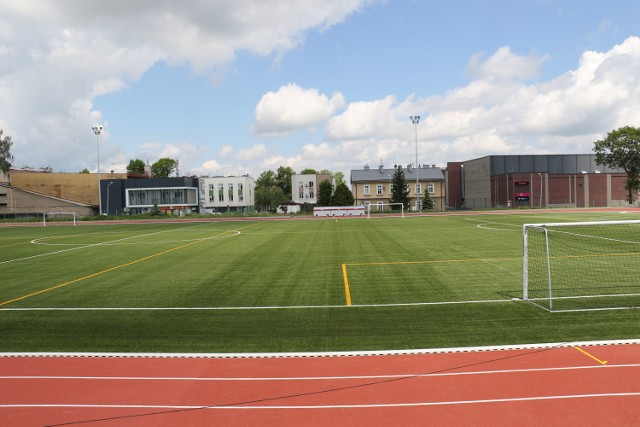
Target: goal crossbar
x,y
385,204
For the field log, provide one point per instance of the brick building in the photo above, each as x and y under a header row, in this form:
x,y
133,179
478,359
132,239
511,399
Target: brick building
x,y
560,180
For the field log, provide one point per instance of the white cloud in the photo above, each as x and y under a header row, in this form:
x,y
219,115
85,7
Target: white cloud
x,y
499,112
255,152
57,57
226,150
292,108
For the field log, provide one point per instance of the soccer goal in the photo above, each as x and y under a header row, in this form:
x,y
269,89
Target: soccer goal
x,y
69,217
582,266
381,207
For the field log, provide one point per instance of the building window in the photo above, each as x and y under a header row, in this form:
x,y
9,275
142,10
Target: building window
x,y
431,188
230,192
312,193
240,192
379,189
212,193
300,190
380,206
418,188
367,190
221,192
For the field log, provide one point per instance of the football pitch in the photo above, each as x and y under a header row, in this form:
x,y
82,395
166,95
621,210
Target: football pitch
x,y
264,285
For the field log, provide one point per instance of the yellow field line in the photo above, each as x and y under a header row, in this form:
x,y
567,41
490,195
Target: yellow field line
x,y
347,293
602,362
114,268
434,261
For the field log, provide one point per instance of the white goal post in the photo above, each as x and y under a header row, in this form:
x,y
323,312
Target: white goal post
x,y
579,266
69,217
378,205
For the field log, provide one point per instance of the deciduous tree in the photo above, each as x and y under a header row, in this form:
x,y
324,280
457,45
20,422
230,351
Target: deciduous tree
x,y
342,196
163,167
136,166
621,149
6,158
325,190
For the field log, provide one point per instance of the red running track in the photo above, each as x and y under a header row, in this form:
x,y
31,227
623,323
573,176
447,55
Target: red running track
x,y
557,386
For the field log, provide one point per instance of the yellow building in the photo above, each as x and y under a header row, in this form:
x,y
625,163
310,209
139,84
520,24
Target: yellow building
x,y
373,186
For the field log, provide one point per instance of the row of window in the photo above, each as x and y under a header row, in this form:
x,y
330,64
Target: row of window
x,y
230,193
301,186
431,188
150,197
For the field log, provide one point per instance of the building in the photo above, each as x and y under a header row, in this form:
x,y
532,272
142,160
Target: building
x,y
134,196
227,194
16,202
558,180
304,187
373,186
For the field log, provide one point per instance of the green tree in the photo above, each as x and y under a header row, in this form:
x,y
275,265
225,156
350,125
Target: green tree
x,y
5,153
399,192
163,167
427,202
283,179
342,196
267,179
268,198
85,170
339,177
308,171
325,190
136,166
621,149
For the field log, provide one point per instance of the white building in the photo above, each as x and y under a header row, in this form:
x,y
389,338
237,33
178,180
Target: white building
x,y
221,194
304,188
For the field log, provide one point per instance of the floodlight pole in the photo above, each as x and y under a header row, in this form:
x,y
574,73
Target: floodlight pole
x,y
415,120
108,185
98,130
540,190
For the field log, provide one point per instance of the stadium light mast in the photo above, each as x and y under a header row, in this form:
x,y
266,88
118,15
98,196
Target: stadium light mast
x,y
98,130
415,120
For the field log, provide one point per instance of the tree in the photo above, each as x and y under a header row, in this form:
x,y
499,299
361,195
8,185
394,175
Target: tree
x,y
283,179
325,190
339,177
136,166
85,170
163,167
5,153
269,198
400,191
342,196
427,202
266,180
308,171
621,149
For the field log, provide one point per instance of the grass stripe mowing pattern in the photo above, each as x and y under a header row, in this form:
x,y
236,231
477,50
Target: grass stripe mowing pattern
x,y
281,264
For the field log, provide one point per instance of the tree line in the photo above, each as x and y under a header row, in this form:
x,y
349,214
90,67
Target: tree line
x,y
619,149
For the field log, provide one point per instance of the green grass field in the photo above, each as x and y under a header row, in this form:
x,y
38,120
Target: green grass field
x,y
280,286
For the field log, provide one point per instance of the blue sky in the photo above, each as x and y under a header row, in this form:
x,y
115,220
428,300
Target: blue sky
x,y
242,87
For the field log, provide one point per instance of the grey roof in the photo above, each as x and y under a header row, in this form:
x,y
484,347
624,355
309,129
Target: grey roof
x,y
375,174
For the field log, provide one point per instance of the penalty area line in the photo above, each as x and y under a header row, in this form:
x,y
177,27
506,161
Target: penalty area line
x,y
272,307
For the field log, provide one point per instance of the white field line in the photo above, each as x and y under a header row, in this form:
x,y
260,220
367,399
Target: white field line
x,y
94,244
274,307
354,406
324,378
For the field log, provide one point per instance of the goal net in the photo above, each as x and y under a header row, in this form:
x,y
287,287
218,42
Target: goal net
x,y
582,265
384,207
49,217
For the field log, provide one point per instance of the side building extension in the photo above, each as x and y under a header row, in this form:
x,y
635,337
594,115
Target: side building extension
x,y
553,180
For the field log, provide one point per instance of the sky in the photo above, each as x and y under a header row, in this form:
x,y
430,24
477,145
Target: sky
x,y
240,87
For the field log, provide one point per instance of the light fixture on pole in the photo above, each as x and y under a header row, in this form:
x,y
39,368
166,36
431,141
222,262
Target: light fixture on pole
x,y
415,120
98,130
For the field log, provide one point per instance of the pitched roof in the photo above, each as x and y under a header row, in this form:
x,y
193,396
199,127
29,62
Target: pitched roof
x,y
377,174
